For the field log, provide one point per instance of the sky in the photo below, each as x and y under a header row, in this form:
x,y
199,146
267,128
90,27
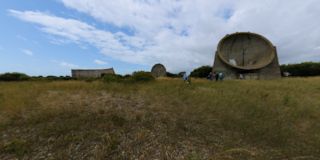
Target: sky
x,y
52,37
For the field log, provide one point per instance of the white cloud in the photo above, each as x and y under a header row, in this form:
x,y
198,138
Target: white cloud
x,y
65,64
99,62
68,65
184,34
27,52
117,45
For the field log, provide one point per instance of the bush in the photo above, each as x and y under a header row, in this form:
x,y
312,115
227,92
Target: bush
x,y
14,77
127,76
112,78
37,78
66,78
172,75
54,78
139,76
201,72
142,76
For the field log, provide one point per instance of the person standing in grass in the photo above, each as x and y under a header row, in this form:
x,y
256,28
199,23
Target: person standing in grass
x,y
216,75
220,76
186,78
241,76
189,79
210,76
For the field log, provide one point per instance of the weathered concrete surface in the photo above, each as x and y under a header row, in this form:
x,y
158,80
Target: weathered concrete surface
x,y
91,73
249,54
158,70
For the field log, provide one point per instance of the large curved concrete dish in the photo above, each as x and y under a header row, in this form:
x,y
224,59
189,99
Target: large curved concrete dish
x,y
246,51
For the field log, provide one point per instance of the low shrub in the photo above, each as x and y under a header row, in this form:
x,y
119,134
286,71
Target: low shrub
x,y
139,76
52,78
14,77
55,78
89,80
66,78
37,78
173,75
127,76
112,78
17,146
142,76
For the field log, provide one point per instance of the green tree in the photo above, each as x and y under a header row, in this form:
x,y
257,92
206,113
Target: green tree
x,y
201,72
14,77
302,69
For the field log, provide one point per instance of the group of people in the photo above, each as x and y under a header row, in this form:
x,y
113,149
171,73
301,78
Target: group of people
x,y
218,76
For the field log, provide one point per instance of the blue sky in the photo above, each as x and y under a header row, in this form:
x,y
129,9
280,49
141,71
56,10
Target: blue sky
x,y
47,55
50,37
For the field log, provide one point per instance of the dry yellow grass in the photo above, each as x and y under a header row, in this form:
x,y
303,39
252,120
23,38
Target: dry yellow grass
x,y
166,119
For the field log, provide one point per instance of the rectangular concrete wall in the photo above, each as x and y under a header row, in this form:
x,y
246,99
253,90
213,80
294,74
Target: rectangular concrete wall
x,y
271,71
90,73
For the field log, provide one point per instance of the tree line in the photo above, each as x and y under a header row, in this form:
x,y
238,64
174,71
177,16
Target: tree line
x,y
138,76
303,69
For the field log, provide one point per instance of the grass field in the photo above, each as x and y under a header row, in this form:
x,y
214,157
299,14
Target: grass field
x,y
166,119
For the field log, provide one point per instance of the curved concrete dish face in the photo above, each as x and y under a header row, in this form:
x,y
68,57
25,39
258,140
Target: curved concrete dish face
x,y
245,55
246,51
158,70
